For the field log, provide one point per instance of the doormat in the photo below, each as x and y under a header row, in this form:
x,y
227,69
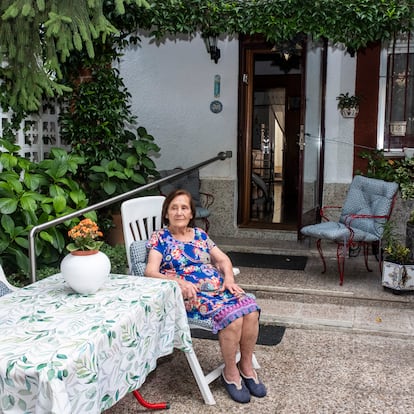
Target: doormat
x,y
268,261
268,334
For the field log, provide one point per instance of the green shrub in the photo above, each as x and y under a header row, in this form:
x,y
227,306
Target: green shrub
x,y
400,171
31,194
117,256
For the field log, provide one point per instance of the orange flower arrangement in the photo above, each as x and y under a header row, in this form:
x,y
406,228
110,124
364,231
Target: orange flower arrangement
x,y
84,236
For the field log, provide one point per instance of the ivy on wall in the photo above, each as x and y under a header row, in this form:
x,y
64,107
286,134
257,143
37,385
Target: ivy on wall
x,y
354,23
38,37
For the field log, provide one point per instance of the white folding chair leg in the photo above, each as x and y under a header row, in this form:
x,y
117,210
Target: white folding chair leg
x,y
203,381
200,378
211,376
256,365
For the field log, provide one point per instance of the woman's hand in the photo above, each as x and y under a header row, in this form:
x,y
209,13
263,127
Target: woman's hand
x,y
232,287
189,290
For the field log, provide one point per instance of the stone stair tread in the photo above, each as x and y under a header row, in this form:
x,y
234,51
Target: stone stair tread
x,y
363,319
308,299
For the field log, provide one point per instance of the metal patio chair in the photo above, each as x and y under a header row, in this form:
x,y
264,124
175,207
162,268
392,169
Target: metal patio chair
x,y
367,208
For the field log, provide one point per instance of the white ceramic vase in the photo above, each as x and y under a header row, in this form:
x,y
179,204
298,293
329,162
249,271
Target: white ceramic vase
x,y
85,271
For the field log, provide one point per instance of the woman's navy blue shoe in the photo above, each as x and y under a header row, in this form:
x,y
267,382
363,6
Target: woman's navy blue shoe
x,y
238,392
254,385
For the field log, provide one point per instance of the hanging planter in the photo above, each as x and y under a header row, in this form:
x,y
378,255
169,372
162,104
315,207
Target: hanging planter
x,y
348,105
350,112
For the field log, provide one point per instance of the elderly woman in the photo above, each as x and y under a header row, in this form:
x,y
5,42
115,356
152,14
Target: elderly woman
x,y
186,254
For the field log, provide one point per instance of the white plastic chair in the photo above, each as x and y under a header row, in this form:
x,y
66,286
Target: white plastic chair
x,y
140,217
5,286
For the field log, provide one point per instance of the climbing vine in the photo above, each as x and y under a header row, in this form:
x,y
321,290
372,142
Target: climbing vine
x,y
354,23
37,38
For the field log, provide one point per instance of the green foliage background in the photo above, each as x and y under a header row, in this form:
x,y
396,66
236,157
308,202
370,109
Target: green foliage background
x,y
34,58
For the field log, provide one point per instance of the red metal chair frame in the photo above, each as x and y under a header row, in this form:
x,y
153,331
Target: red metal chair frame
x,y
343,248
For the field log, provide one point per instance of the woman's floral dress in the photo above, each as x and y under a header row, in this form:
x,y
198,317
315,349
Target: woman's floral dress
x,y
191,261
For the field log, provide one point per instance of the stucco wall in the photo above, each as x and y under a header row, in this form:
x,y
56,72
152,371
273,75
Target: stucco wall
x,y
339,132
172,86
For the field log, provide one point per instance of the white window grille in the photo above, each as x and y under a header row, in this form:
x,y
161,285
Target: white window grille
x,y
38,133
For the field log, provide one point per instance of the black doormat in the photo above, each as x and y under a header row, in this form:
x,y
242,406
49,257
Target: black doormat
x,y
268,334
268,261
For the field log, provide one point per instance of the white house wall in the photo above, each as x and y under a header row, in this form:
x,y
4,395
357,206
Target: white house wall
x,y
339,132
172,86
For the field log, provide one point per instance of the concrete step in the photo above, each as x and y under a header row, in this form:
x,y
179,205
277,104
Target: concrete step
x,y
309,299
344,310
378,313
374,320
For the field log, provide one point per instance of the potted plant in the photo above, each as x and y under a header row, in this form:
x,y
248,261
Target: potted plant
x,y
85,269
397,267
348,105
409,237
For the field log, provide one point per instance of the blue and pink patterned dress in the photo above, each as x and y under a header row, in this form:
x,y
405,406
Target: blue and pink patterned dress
x,y
191,261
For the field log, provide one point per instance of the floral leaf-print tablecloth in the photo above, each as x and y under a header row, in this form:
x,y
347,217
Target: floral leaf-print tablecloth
x,y
66,353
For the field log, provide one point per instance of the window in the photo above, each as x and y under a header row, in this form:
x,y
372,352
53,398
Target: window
x,y
396,98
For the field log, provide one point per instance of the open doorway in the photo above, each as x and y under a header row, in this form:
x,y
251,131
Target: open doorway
x,y
269,129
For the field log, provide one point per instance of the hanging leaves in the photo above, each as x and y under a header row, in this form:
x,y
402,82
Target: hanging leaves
x,y
36,37
42,35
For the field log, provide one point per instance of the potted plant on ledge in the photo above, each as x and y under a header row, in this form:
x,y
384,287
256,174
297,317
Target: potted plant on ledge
x,y
409,241
348,105
397,267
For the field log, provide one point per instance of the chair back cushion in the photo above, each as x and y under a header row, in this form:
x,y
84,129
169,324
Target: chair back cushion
x,y
139,255
368,196
189,182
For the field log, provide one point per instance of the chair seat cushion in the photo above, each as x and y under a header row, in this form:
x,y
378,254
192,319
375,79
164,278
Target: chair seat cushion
x,y
328,230
206,324
337,232
4,290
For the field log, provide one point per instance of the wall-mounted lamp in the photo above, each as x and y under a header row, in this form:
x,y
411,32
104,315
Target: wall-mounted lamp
x,y
290,47
212,49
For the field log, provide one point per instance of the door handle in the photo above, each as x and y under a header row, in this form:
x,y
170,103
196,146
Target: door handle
x,y
301,141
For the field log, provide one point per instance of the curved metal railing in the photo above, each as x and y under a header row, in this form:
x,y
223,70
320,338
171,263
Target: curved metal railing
x,y
36,229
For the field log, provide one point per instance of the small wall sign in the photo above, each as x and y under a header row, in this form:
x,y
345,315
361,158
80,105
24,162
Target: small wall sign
x,y
217,82
216,107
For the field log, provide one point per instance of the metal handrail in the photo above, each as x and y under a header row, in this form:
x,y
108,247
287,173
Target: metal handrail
x,y
36,229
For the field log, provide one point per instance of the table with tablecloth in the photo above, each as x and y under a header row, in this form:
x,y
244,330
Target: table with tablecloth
x,y
67,353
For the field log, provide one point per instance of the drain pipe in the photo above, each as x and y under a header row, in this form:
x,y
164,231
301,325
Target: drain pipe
x,y
36,229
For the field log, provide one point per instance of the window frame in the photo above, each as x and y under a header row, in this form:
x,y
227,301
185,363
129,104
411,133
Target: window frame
x,y
386,50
